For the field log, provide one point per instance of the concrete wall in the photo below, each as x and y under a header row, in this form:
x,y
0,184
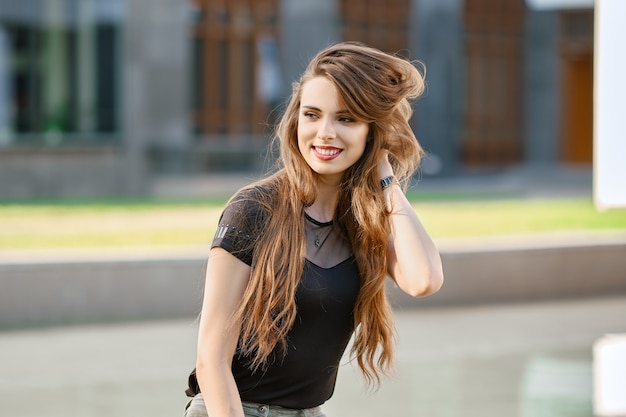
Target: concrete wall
x,y
57,291
61,173
99,291
530,272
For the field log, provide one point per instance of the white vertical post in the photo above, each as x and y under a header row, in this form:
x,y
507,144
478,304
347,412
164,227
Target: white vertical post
x,y
610,105
609,359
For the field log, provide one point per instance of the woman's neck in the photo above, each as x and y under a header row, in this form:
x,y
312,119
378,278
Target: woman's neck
x,y
323,208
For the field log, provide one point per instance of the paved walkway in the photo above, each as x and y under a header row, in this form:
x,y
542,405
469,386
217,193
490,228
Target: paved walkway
x,y
491,361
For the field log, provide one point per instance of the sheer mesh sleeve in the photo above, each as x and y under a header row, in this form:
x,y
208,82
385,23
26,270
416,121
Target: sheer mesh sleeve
x,y
239,226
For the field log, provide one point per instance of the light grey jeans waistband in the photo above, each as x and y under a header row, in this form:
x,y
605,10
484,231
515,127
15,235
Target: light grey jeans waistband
x,y
197,408
262,410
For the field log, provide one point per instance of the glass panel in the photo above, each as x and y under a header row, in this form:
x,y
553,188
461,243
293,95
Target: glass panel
x,y
59,63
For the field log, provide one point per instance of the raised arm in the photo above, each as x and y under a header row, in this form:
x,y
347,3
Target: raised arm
x,y
414,262
226,280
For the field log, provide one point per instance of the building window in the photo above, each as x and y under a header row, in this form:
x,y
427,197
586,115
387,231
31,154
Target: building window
x,y
493,54
59,71
380,24
237,80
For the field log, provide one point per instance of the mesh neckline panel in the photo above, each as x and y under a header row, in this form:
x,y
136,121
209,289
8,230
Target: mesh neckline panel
x,y
325,245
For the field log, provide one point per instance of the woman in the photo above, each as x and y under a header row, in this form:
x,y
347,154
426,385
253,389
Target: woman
x,y
299,260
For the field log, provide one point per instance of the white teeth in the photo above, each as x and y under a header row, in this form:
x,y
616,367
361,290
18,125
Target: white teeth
x,y
327,152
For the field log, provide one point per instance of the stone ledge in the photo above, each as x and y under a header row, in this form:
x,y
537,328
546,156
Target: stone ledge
x,y
89,286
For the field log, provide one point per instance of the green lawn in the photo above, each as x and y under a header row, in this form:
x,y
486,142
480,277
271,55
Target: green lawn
x,y
142,222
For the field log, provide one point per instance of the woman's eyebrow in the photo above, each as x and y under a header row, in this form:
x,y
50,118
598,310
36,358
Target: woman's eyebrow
x,y
338,112
304,106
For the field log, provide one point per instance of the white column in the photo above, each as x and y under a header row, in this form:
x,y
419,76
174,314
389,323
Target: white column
x,y
609,115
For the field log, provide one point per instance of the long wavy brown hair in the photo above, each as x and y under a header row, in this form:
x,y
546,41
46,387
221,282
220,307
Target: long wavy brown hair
x,y
377,88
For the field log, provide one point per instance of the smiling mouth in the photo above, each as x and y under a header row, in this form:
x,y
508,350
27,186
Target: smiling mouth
x,y
327,152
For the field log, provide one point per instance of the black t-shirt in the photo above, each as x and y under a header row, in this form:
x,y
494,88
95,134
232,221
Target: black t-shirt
x,y
325,298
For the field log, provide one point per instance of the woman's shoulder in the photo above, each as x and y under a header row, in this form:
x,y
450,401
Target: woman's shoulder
x,y
254,200
259,193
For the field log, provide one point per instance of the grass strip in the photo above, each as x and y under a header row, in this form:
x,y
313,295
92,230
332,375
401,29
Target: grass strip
x,y
102,223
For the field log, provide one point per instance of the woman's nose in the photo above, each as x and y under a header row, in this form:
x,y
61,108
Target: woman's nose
x,y
326,130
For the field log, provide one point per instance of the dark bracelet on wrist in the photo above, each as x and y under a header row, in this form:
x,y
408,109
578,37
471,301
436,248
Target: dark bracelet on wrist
x,y
387,181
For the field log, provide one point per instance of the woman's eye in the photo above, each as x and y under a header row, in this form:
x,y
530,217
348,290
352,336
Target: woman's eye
x,y
346,120
309,114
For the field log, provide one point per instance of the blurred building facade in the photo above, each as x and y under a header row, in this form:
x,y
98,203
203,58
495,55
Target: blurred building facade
x,y
97,97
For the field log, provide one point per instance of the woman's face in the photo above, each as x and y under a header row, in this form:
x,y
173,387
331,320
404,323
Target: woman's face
x,y
329,138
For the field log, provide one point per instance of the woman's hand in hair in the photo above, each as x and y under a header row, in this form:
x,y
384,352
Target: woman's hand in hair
x,y
384,167
386,170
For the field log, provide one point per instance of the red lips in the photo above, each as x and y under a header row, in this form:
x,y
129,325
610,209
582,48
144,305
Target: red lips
x,y
326,153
